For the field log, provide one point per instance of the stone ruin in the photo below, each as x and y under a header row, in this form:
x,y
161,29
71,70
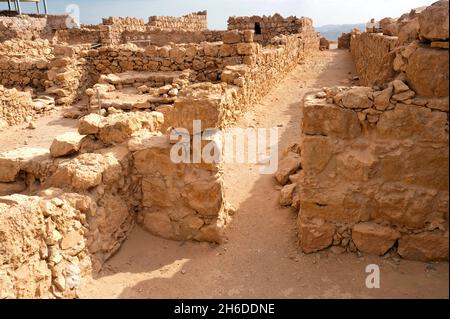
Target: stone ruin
x,y
369,173
65,210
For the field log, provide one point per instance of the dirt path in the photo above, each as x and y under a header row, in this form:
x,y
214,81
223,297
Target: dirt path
x,y
261,257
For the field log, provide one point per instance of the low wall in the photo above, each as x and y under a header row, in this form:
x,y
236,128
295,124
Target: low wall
x,y
79,36
191,22
31,27
363,184
82,196
161,37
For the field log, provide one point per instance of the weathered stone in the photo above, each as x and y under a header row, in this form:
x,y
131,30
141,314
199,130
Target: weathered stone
x,y
399,86
440,104
90,124
434,21
287,166
231,37
316,153
81,173
11,162
404,95
315,234
357,98
330,120
66,144
372,238
427,72
424,246
382,98
286,194
12,188
440,44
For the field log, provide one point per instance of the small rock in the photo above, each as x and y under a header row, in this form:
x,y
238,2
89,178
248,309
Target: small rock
x,y
32,125
173,92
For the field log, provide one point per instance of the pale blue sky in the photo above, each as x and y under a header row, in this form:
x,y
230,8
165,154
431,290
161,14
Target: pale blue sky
x,y
321,11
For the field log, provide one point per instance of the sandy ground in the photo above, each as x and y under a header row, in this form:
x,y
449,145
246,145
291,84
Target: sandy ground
x,y
260,258
47,128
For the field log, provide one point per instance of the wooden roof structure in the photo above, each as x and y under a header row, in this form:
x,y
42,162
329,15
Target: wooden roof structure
x,y
17,7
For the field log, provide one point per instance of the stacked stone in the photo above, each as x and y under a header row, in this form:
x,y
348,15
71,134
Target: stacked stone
x,y
15,107
23,63
344,41
60,236
22,27
418,55
75,36
191,22
269,27
112,28
362,185
67,76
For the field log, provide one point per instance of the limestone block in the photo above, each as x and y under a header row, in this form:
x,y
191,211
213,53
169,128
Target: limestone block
x,y
287,166
66,144
315,234
372,238
424,246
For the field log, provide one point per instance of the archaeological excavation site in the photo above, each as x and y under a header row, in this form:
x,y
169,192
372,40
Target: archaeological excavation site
x,y
93,204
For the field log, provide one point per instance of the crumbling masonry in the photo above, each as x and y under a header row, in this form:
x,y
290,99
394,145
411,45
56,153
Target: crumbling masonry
x,y
373,170
358,177
67,209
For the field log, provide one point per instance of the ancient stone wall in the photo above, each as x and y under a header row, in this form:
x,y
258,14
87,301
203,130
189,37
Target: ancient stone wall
x,y
75,36
373,54
344,41
197,21
262,70
361,181
15,107
419,55
161,37
206,59
267,27
31,27
24,63
112,28
75,211
24,27
68,74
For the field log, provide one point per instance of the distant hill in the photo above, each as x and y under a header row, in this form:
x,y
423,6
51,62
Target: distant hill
x,y
333,31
